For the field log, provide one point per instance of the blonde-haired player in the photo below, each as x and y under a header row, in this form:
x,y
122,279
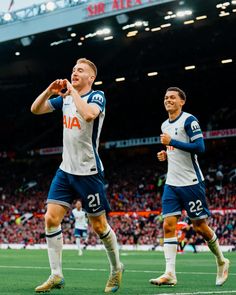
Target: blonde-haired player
x,y
81,170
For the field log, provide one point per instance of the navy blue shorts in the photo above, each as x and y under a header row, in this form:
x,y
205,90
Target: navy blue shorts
x,y
80,233
191,198
90,189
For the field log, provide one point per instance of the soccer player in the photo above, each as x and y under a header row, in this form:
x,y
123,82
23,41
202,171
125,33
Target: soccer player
x,y
81,170
81,225
184,188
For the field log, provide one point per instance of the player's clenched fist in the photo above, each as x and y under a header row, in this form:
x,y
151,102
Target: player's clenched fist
x,y
162,156
165,138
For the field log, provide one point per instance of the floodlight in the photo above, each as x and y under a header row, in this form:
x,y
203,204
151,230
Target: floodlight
x,y
192,67
50,6
138,23
7,17
108,38
151,74
226,61
120,79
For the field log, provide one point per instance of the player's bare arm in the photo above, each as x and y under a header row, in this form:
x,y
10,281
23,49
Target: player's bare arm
x,y
162,156
40,105
88,111
165,138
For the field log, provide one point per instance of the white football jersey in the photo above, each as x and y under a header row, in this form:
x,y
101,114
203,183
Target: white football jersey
x,y
80,138
81,221
183,167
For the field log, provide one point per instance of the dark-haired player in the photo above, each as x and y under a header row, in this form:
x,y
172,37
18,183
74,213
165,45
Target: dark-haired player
x,y
184,188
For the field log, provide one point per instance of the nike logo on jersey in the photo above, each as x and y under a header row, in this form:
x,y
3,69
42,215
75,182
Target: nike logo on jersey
x,y
198,213
96,209
71,122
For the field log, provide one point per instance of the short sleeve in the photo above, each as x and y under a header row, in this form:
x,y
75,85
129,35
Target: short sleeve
x,y
98,98
56,103
193,128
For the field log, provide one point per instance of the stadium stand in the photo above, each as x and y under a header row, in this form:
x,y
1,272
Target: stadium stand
x,y
134,188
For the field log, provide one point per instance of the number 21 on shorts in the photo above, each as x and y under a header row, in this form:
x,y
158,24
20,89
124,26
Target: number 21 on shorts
x,y
94,200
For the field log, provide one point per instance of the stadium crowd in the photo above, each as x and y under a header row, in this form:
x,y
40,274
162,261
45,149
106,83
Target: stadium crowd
x,y
136,188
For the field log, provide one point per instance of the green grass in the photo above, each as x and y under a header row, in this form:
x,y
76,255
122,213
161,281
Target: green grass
x,y
22,270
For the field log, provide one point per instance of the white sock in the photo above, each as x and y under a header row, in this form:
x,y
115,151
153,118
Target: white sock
x,y
214,246
170,249
78,243
55,244
110,243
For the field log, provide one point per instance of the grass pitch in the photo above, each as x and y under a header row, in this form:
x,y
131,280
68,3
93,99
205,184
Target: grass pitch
x,y
22,270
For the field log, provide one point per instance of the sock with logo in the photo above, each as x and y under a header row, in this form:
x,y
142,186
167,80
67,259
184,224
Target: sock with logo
x,y
170,249
55,243
110,243
214,246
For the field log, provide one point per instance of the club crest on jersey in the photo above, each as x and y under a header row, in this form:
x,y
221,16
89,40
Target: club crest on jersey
x,y
195,126
71,122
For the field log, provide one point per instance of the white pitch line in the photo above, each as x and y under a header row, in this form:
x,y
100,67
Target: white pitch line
x,y
200,293
47,267
104,269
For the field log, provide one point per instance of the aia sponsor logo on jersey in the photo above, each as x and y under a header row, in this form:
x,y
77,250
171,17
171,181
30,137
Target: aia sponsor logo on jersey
x,y
71,122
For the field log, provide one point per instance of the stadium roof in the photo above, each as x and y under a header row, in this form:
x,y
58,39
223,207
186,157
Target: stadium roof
x,y
56,14
150,48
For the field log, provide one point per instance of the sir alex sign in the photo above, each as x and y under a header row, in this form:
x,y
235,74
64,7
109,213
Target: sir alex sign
x,y
111,7
101,7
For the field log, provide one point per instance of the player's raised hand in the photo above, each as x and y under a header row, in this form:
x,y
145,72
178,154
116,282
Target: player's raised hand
x,y
165,138
162,156
69,87
56,87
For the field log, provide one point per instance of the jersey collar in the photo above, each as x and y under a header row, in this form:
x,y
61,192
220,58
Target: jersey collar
x,y
176,118
86,93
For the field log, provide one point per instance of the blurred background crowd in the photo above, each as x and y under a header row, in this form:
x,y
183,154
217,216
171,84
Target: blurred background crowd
x,y
133,186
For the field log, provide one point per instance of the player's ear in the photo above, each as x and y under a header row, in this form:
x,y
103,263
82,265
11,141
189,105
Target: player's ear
x,y
92,79
182,102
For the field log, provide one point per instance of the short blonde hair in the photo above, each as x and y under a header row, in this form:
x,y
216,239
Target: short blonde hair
x,y
89,63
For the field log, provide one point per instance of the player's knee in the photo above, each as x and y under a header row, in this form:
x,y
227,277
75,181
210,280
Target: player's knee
x,y
168,227
198,229
99,227
51,220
